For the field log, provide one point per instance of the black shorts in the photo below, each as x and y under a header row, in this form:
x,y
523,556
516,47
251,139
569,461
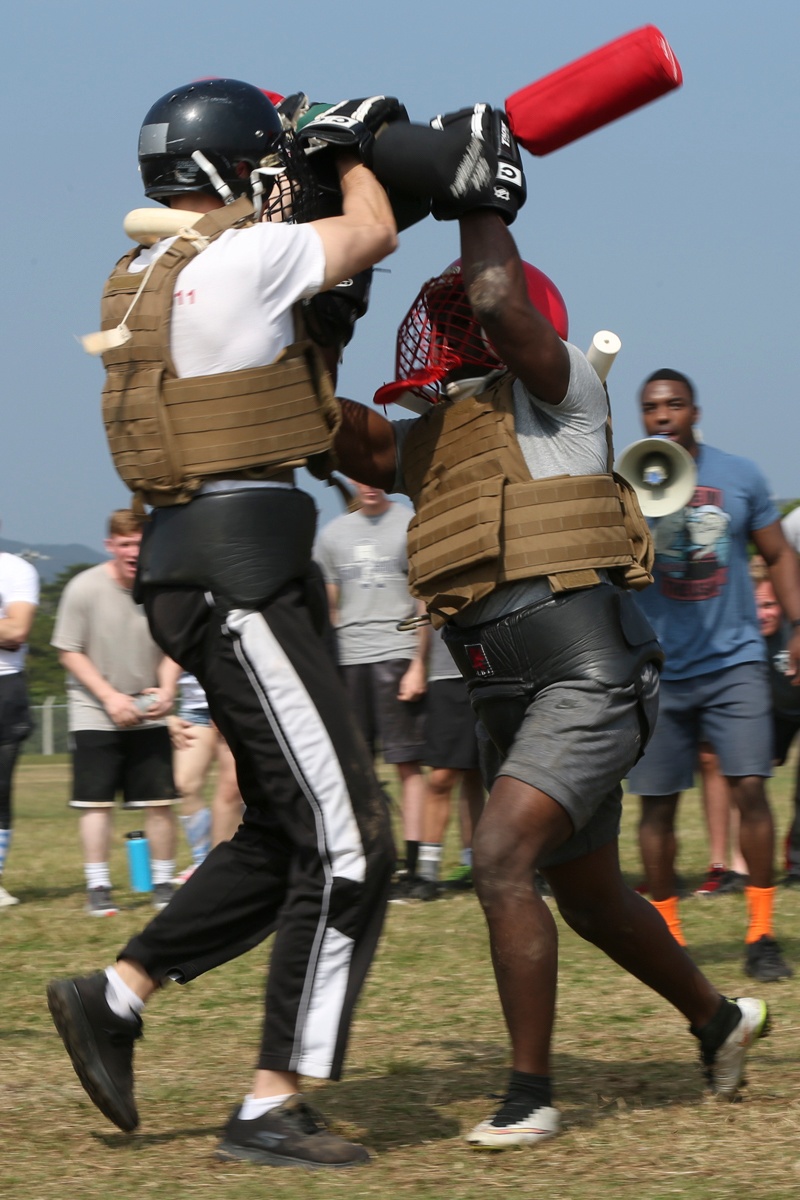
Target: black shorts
x,y
784,730
15,715
135,762
395,726
450,727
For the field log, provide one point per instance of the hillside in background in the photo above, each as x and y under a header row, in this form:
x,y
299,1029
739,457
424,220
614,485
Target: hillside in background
x,y
49,560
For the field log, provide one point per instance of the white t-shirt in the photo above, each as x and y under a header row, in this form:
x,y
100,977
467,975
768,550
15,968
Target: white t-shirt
x,y
791,528
18,581
232,305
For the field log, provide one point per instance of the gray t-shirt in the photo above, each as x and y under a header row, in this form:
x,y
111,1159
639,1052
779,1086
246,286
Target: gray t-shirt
x,y
440,660
98,618
564,439
367,559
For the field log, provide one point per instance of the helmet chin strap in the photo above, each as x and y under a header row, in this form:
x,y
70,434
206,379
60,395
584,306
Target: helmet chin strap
x,y
220,186
260,192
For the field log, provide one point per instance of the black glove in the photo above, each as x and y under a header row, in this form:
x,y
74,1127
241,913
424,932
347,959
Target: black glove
x,y
488,173
331,316
351,125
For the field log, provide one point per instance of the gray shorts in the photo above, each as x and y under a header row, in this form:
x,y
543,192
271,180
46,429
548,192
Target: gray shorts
x,y
568,694
577,741
396,727
729,709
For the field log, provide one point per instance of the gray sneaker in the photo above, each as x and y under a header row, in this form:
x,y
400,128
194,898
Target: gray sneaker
x,y
99,902
162,894
99,1043
291,1135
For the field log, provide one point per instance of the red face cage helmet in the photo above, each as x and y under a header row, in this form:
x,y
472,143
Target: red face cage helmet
x,y
439,333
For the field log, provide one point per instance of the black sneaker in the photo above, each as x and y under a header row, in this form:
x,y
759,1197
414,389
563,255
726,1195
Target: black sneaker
x,y
764,961
733,883
791,879
99,1043
291,1135
425,889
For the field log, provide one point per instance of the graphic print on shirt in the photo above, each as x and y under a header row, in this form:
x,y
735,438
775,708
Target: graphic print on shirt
x,y
368,568
693,548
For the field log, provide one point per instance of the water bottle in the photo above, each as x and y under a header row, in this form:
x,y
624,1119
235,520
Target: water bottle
x,y
139,862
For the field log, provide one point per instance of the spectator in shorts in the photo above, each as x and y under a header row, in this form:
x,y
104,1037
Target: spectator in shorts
x,y
197,746
364,562
785,702
714,682
451,754
19,596
118,698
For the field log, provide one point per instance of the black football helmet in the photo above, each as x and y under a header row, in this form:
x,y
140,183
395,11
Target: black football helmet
x,y
223,121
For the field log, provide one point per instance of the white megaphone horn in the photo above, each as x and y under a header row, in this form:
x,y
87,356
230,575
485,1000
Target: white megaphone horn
x,y
661,472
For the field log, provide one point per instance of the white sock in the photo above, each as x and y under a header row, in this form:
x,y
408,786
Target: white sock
x,y
253,1108
429,860
162,870
121,999
466,856
97,875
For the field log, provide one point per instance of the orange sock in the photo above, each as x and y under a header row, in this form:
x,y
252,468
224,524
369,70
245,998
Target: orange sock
x,y
760,903
669,911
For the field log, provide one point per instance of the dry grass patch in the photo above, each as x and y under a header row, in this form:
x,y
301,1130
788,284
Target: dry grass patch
x,y
428,1047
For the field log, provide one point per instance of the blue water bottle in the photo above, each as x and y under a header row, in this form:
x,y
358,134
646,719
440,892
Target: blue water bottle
x,y
139,862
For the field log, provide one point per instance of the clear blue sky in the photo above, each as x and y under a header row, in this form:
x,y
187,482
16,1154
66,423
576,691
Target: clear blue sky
x,y
676,227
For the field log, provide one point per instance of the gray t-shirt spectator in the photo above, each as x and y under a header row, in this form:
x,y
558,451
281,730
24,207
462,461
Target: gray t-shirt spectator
x,y
366,558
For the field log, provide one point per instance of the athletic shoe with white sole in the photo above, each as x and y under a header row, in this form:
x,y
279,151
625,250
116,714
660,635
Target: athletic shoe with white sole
x,y
6,899
162,894
99,1043
515,1124
724,1067
291,1135
99,902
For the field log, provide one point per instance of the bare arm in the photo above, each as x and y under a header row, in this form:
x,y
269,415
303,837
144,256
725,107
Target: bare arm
x,y
364,446
15,626
332,592
120,707
365,232
784,573
414,683
494,280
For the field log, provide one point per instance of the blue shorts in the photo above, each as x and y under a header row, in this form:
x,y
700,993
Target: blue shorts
x,y
730,709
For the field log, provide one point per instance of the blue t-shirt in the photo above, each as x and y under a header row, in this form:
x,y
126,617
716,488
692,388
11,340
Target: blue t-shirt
x,y
701,604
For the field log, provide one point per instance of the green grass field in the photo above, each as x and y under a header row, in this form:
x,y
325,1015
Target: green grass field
x,y
428,1048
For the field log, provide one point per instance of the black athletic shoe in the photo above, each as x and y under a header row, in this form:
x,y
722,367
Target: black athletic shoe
x,y
291,1135
425,889
764,961
99,1043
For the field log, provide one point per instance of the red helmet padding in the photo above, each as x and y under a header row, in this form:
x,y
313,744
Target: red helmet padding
x,y
439,333
593,90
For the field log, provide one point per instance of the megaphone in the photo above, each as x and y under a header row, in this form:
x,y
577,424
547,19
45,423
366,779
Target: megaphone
x,y
661,472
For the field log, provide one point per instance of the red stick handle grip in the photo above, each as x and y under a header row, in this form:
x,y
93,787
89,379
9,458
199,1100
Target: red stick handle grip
x,y
593,90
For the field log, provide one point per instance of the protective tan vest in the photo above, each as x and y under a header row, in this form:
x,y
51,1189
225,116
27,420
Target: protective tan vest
x,y
168,435
481,520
